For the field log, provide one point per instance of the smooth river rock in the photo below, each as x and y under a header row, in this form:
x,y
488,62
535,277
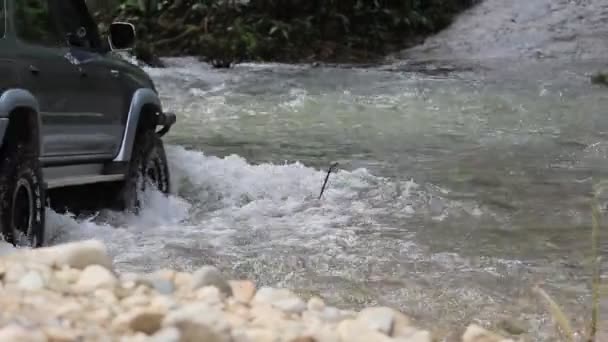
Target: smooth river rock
x,y
51,295
210,276
94,277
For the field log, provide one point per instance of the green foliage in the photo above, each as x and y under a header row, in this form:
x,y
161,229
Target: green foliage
x,y
229,31
600,78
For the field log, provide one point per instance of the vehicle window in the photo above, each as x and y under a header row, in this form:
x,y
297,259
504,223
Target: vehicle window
x,y
34,23
2,20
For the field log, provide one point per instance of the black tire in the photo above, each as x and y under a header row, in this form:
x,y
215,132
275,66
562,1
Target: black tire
x,y
148,167
22,196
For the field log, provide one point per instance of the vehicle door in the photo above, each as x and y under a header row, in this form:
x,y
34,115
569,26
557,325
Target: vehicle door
x,y
51,78
101,100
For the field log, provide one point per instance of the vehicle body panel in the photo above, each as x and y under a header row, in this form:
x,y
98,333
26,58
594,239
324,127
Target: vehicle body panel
x,y
88,101
85,96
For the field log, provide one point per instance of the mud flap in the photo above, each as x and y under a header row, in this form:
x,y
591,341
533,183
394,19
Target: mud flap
x,y
166,120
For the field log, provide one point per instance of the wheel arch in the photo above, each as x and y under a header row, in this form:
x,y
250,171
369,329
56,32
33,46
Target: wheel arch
x,y
20,118
145,105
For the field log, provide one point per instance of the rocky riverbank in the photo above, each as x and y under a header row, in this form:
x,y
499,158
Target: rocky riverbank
x,y
70,292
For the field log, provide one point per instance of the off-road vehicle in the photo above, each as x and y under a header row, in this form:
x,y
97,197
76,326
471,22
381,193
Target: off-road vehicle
x,y
79,124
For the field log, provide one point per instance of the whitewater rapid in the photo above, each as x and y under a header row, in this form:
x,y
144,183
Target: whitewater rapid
x,y
522,30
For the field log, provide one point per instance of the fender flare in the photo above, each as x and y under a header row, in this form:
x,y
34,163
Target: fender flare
x,y
12,99
142,97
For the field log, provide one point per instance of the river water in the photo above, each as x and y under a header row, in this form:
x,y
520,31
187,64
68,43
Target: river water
x,y
459,187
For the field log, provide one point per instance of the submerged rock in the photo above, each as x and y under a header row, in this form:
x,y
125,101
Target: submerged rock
x,y
210,276
475,333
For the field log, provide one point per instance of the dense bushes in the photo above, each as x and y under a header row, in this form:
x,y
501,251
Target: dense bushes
x,y
224,32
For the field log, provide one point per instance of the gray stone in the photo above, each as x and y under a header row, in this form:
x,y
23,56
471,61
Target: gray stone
x,y
475,333
379,319
211,276
31,281
146,321
270,295
415,336
512,326
171,334
316,304
331,314
76,255
199,322
290,305
161,285
353,331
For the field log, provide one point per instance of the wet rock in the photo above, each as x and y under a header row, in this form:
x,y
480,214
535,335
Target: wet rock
x,y
76,255
353,331
147,321
210,276
512,326
304,339
168,275
243,291
94,277
282,299
290,305
192,330
67,275
106,296
183,280
68,308
60,334
191,317
163,303
269,295
14,272
100,316
171,334
391,323
315,304
31,281
475,333
162,286
266,315
136,300
255,335
210,295
162,282
415,335
379,319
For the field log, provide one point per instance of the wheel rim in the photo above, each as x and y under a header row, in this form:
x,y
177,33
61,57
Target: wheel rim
x,y
22,213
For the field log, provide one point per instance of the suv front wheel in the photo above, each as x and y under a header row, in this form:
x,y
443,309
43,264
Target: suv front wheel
x,y
148,167
22,209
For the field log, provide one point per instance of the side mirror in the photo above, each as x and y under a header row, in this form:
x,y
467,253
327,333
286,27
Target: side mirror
x,y
122,36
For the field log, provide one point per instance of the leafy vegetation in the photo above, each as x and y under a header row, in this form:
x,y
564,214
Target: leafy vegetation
x,y
224,32
600,78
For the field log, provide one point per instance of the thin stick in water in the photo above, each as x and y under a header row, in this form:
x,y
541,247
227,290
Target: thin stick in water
x,y
334,165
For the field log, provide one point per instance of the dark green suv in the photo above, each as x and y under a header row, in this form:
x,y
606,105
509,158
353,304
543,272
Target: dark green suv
x,y
78,123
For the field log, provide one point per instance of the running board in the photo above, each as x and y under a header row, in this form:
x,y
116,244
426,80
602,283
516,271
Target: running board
x,y
82,180
73,175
